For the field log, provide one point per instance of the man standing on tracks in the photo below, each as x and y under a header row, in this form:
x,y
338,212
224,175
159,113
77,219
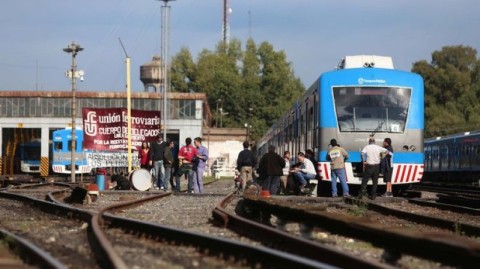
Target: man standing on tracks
x,y
168,162
337,156
185,159
156,161
371,166
245,163
271,164
199,164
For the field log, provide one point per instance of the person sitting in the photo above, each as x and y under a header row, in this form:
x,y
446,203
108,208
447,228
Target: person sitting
x,y
303,173
122,182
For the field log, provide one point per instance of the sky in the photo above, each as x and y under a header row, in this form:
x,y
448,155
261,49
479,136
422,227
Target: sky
x,y
314,34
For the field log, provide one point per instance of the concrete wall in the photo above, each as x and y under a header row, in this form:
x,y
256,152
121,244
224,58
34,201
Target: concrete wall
x,y
223,145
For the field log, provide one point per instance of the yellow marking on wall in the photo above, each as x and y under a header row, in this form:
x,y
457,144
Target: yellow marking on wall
x,y
44,166
1,165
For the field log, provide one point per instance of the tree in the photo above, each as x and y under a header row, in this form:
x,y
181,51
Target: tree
x,y
183,71
254,85
452,90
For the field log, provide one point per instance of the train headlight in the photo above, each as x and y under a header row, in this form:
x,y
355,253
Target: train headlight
x,y
412,148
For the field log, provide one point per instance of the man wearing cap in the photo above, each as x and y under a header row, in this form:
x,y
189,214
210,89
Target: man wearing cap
x,y
371,166
337,156
156,161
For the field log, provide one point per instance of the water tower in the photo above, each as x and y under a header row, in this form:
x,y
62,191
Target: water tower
x,y
151,74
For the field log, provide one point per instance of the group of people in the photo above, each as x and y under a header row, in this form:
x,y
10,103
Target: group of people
x,y
275,170
191,162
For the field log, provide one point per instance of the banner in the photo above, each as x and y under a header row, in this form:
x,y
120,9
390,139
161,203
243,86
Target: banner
x,y
106,128
111,159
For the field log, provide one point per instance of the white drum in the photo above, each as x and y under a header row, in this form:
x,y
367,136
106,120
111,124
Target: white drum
x,y
141,179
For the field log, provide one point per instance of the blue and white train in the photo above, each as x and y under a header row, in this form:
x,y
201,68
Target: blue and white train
x,y
454,158
62,152
29,153
364,96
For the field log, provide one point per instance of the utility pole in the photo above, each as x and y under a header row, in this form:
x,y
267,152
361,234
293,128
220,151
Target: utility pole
x,y
74,49
129,109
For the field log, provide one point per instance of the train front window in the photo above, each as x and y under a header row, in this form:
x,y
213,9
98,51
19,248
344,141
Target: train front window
x,y
57,146
371,109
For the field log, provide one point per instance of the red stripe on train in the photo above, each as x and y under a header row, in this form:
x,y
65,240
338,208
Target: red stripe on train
x,y
414,176
397,175
404,167
325,167
409,173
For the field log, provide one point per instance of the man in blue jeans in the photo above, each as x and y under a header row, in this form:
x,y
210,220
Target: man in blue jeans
x,y
304,172
156,161
337,156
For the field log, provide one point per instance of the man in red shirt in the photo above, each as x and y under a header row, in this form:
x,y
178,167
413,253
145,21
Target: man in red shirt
x,y
185,159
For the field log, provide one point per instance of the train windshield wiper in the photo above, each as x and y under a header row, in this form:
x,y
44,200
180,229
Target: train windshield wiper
x,y
379,127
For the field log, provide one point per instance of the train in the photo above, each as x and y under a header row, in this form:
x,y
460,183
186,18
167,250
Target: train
x,y
453,157
364,96
29,155
62,152
86,160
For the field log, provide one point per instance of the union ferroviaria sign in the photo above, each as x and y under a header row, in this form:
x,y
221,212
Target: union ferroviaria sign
x,y
105,129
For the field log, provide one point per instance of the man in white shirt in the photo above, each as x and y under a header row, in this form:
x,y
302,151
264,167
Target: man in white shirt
x,y
305,172
371,166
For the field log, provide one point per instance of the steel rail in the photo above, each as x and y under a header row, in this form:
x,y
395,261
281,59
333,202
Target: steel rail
x,y
269,258
211,244
446,189
43,184
441,247
29,252
451,225
443,206
286,242
472,201
104,252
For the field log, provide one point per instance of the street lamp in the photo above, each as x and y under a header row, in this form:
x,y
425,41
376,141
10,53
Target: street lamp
x,y
74,49
247,136
221,116
216,120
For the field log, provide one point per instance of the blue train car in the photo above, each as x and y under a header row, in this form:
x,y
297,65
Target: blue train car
x,y
62,152
29,154
364,96
454,157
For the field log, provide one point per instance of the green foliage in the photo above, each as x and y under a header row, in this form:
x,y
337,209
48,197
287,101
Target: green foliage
x,y
254,85
452,90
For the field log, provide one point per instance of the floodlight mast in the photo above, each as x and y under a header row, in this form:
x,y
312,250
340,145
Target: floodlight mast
x,y
74,49
165,51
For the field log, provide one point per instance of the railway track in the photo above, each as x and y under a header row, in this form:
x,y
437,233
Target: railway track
x,y
188,223
447,248
61,231
110,239
286,242
458,197
18,253
406,209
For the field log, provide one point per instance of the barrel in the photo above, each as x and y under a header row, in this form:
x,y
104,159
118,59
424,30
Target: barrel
x,y
100,178
141,179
